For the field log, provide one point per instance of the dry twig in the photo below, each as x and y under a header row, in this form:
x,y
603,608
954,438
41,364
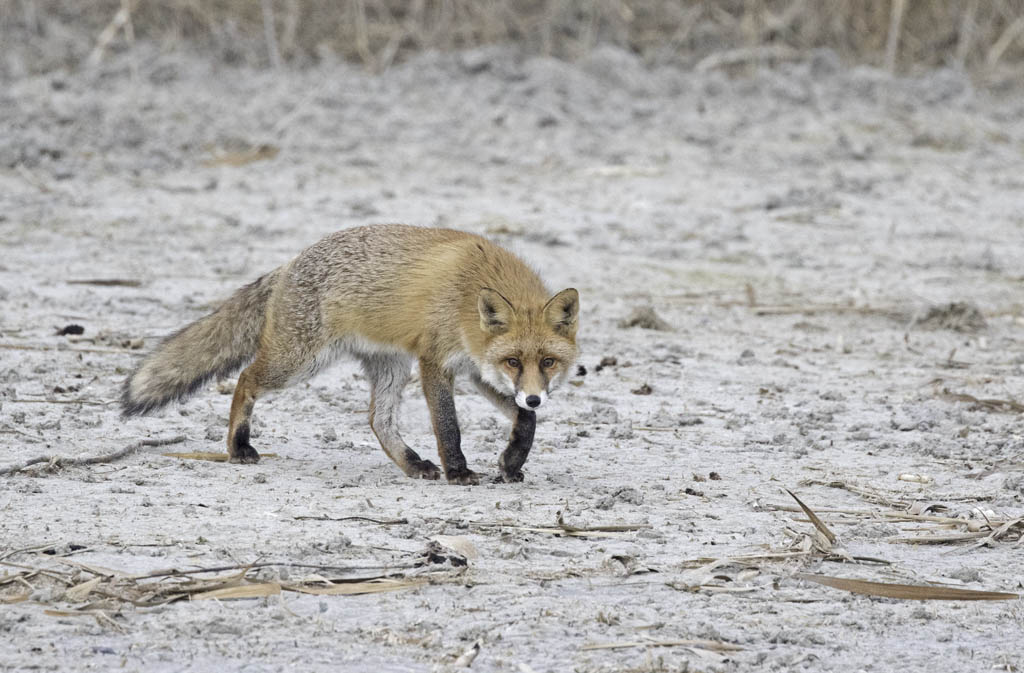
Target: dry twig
x,y
62,461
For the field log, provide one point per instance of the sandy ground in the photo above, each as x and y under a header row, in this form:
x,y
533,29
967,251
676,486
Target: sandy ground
x,y
794,227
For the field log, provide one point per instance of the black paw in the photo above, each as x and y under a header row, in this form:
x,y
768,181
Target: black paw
x,y
244,454
424,469
463,477
511,477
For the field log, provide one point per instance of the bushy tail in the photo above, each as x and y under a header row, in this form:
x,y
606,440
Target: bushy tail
x,y
216,345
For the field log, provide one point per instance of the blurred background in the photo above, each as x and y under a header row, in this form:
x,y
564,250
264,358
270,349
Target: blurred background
x,y
39,35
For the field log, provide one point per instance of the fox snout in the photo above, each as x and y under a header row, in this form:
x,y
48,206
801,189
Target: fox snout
x,y
530,402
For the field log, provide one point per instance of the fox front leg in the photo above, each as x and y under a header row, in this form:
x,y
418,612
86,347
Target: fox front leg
x,y
521,440
519,444
438,388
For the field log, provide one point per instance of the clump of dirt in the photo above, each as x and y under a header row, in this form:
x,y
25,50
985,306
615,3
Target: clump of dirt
x,y
960,316
645,318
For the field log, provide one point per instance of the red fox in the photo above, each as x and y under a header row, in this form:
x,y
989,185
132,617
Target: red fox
x,y
386,295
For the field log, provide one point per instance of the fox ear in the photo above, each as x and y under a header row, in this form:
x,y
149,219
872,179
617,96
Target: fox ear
x,y
495,311
562,311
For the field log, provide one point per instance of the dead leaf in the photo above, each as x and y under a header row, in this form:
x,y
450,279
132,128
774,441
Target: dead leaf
x,y
906,591
459,544
822,528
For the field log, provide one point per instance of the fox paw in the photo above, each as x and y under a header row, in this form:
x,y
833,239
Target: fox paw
x,y
463,477
244,454
511,477
424,469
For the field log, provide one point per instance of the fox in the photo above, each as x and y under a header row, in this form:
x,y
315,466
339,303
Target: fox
x,y
387,295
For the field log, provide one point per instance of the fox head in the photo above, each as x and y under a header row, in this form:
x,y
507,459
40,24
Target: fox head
x,y
528,349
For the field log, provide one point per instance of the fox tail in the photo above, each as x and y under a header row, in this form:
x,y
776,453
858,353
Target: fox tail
x,y
216,345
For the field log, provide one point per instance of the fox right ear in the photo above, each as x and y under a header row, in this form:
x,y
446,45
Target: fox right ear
x,y
495,311
562,311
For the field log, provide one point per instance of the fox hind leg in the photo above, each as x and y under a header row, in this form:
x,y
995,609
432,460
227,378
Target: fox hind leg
x,y
269,371
246,391
388,375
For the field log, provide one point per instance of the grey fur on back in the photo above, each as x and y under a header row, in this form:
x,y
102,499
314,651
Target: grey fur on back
x,y
215,345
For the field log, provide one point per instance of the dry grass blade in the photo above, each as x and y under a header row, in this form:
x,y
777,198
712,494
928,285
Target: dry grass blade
x,y
563,529
94,569
79,592
1005,406
576,530
815,309
155,594
174,572
258,153
712,645
101,617
244,591
204,455
157,588
906,591
939,539
374,586
18,577
70,613
49,546
870,514
822,528
1000,532
869,494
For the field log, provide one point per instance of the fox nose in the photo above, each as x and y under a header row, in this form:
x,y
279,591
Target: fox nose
x,y
533,401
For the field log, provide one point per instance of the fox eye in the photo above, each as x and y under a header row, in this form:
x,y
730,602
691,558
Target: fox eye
x,y
513,363
547,363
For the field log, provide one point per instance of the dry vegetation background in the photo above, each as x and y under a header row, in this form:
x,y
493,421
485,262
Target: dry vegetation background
x,y
899,34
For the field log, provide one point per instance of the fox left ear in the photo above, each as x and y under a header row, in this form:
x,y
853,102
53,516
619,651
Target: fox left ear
x,y
495,311
562,311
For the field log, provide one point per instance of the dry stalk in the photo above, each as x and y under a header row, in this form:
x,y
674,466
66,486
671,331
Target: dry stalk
x,y
377,33
62,461
966,34
120,21
897,10
270,34
161,587
1009,36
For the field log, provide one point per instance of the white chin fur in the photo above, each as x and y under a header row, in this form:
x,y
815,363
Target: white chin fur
x,y
521,400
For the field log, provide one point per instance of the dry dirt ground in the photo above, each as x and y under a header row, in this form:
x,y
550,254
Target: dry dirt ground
x,y
802,229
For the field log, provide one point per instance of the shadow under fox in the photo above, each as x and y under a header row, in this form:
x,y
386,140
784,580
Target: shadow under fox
x,y
385,295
